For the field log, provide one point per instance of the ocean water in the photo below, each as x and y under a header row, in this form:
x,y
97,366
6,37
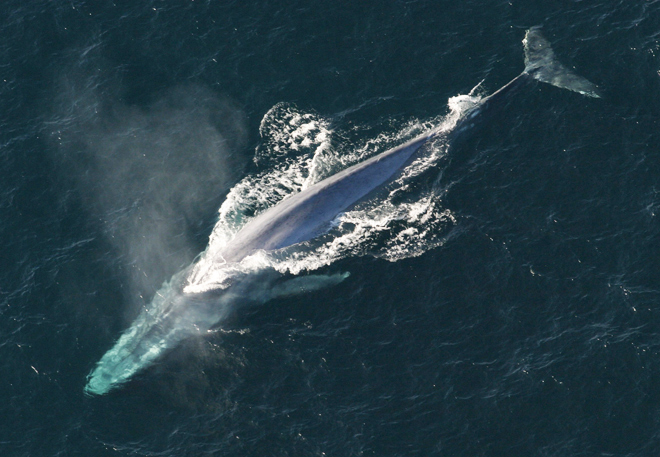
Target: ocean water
x,y
502,297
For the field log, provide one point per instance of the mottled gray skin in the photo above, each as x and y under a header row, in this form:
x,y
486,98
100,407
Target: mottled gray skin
x,y
305,215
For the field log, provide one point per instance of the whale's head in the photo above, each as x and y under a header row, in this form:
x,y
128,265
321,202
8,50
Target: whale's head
x,y
171,317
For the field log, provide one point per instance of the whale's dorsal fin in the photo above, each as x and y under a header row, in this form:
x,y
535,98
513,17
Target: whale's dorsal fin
x,y
540,63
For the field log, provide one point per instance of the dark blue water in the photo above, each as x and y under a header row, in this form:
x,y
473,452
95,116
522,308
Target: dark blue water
x,y
532,327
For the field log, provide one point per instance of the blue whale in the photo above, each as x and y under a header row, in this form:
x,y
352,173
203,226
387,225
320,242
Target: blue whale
x,y
174,314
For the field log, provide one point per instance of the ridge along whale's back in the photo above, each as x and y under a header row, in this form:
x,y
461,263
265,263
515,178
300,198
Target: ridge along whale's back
x,y
306,214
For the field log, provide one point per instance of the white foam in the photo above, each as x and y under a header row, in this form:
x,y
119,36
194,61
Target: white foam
x,y
297,151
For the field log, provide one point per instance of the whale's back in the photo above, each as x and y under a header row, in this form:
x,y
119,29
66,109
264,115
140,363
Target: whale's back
x,y
305,215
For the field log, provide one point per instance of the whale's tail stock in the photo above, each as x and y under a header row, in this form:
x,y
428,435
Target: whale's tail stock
x,y
541,64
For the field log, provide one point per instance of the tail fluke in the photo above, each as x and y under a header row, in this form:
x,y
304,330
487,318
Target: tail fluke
x,y
541,64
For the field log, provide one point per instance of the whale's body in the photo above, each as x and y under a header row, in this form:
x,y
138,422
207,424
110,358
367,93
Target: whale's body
x,y
175,315
304,215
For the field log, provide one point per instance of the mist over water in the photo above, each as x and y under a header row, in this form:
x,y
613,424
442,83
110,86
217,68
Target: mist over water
x,y
149,175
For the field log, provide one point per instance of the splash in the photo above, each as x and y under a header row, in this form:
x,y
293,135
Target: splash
x,y
406,220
